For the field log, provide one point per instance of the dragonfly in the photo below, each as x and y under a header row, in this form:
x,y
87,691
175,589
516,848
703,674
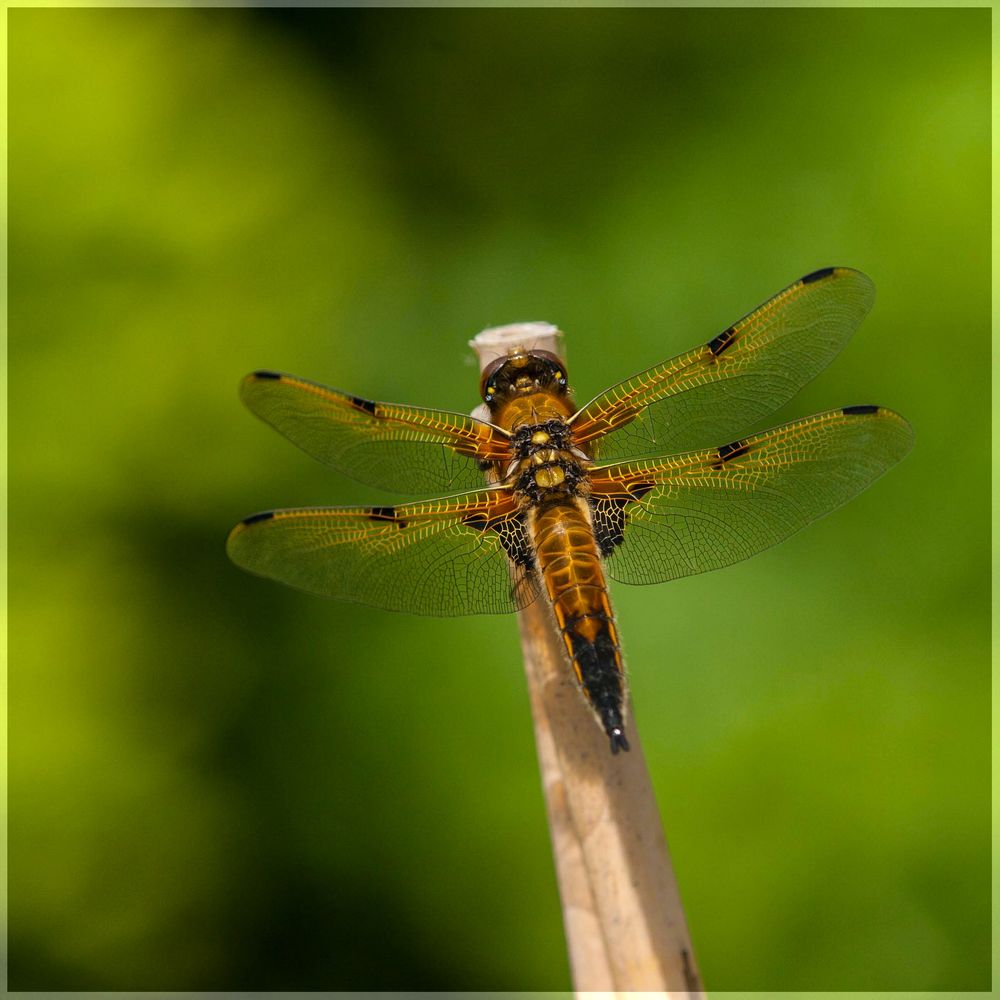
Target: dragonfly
x,y
647,482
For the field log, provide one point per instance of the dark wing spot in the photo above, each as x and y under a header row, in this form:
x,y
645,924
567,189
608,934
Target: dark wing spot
x,y
510,531
609,522
266,374
730,451
856,411
725,340
478,521
386,514
610,516
514,539
823,272
254,518
363,404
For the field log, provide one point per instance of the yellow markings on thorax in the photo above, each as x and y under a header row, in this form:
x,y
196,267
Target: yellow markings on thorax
x,y
550,475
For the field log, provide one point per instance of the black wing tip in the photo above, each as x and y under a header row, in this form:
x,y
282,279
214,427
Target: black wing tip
x,y
823,272
264,515
618,740
861,410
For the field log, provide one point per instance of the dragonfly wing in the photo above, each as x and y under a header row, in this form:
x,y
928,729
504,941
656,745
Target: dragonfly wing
x,y
404,449
723,387
461,555
685,514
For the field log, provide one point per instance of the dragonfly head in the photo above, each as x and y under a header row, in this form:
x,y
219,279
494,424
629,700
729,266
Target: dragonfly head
x,y
522,373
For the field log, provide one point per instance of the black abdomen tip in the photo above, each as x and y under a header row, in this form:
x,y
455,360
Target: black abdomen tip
x,y
857,411
823,272
618,741
254,518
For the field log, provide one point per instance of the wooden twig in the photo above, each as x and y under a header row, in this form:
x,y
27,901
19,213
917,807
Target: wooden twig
x,y
624,923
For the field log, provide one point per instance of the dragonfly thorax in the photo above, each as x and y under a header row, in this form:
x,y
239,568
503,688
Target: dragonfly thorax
x,y
531,439
546,467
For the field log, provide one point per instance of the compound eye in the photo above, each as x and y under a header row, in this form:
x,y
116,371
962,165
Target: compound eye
x,y
555,366
549,356
487,384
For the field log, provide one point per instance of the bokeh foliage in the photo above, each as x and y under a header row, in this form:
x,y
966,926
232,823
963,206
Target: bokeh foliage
x,y
216,783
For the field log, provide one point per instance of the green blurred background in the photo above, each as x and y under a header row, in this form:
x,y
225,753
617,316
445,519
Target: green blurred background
x,y
218,783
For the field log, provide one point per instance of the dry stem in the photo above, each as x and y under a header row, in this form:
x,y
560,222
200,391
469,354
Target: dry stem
x,y
624,923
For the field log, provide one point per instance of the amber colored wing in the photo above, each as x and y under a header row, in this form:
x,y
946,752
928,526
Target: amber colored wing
x,y
405,449
463,555
717,390
684,514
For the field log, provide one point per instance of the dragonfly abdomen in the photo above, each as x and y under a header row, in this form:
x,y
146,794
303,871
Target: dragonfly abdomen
x,y
568,561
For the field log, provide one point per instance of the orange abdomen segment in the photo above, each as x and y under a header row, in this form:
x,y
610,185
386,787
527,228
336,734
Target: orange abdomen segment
x,y
574,581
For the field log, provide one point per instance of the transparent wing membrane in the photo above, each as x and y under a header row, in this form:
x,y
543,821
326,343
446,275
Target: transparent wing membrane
x,y
404,449
723,387
464,555
685,514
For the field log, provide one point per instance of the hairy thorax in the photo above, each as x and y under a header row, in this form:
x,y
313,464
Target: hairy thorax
x,y
546,467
